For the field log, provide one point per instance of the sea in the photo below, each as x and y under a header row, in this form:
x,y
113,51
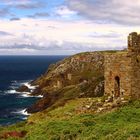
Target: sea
x,y
14,72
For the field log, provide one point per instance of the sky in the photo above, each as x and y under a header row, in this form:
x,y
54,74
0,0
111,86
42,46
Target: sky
x,y
65,27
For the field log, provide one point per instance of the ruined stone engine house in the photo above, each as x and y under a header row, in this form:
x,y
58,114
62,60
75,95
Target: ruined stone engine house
x,y
122,70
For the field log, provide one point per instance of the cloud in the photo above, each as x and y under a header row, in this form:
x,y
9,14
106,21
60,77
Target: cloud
x,y
101,25
15,18
3,33
46,36
118,11
36,15
30,5
10,7
104,35
4,12
13,2
64,11
23,4
53,48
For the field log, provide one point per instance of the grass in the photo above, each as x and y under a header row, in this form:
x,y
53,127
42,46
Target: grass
x,y
64,123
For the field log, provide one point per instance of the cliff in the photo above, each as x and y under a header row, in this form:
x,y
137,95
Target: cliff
x,y
77,76
69,109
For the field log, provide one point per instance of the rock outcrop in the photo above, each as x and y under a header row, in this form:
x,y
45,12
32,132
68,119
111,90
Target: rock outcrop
x,y
81,75
23,88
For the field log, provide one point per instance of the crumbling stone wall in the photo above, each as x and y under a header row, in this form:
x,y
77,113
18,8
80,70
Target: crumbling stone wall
x,y
135,76
122,70
134,51
134,42
118,65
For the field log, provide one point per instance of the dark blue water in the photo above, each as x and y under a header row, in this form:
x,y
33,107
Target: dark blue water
x,y
14,71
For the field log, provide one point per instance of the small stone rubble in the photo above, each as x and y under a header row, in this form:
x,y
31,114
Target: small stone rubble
x,y
92,105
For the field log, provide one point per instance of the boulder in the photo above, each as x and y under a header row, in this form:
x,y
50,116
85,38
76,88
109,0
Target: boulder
x,y
23,89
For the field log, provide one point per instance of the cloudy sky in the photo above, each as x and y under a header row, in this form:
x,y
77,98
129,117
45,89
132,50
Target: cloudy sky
x,y
63,27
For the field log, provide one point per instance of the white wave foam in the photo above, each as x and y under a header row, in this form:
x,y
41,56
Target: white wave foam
x,y
22,94
15,84
11,91
20,82
24,118
40,96
27,94
29,86
22,112
13,87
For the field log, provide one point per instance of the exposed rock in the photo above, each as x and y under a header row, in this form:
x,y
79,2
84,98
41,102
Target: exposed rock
x,y
47,101
99,88
99,104
99,110
69,71
79,76
109,99
114,105
13,134
82,71
23,88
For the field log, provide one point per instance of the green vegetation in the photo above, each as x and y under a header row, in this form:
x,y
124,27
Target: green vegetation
x,y
65,123
69,112
88,82
81,75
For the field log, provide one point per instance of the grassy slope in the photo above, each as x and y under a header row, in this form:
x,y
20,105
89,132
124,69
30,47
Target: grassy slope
x,y
66,123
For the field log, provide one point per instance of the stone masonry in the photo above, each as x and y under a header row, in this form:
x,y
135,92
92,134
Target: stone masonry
x,y
122,70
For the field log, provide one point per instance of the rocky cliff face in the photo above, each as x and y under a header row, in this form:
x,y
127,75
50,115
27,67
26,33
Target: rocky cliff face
x,y
77,76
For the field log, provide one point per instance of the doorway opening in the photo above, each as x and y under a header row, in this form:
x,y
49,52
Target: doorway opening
x,y
117,86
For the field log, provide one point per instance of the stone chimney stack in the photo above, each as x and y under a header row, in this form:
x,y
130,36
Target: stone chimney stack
x,y
134,42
